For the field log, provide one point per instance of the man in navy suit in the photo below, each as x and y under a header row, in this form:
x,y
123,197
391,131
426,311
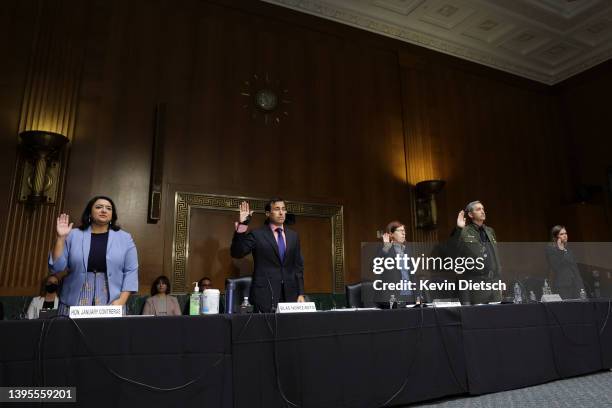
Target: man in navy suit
x,y
278,274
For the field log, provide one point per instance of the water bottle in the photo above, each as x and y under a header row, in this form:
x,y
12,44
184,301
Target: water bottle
x,y
391,301
230,288
518,298
245,306
583,294
546,288
532,297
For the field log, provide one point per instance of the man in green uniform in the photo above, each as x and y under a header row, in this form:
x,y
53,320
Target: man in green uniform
x,y
472,238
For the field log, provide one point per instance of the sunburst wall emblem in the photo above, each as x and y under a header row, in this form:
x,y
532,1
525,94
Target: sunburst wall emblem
x,y
266,99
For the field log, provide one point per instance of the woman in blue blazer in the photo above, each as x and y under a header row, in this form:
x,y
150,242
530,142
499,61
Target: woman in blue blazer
x,y
101,259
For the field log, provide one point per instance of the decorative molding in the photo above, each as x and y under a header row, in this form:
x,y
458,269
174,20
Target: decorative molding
x,y
184,202
404,21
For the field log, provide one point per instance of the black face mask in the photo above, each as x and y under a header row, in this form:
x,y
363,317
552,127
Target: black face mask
x,y
51,287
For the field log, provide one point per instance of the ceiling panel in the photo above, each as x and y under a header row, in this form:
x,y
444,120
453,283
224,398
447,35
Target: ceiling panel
x,y
543,40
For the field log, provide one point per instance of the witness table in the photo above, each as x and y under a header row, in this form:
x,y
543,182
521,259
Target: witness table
x,y
324,359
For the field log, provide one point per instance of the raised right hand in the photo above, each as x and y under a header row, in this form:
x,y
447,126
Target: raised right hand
x,y
64,226
386,237
244,211
461,219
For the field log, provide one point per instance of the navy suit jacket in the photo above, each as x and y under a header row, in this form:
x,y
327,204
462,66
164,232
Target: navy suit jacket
x,y
270,274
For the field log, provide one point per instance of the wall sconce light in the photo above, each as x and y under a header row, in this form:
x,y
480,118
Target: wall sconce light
x,y
40,177
426,212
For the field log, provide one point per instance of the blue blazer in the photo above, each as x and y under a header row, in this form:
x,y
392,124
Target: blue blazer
x,y
121,264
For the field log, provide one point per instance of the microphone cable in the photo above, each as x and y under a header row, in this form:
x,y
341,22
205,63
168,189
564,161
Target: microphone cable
x,y
44,333
549,311
607,317
448,359
276,364
416,347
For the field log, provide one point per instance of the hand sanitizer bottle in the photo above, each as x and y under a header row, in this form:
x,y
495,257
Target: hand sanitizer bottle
x,y
194,301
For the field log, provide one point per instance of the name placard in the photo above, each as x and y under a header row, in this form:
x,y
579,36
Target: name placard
x,y
296,307
94,312
553,297
441,303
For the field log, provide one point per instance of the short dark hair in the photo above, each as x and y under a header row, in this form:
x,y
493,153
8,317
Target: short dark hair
x,y
86,217
393,225
554,232
200,282
271,201
164,279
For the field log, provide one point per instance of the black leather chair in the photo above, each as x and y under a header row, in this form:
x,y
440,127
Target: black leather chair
x,y
242,286
359,294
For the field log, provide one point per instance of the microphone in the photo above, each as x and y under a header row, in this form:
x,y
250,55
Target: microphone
x,y
273,306
23,313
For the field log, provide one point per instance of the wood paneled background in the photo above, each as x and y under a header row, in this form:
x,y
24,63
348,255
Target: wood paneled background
x,y
369,117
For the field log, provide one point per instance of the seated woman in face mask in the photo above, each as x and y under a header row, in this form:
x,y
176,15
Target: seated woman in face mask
x,y
48,300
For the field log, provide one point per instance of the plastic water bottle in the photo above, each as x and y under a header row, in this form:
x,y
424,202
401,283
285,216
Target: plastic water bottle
x,y
245,306
391,301
546,288
583,294
230,288
518,298
532,297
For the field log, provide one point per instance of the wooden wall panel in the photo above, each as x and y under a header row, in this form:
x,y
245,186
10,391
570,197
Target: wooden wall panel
x,y
48,102
339,144
491,141
15,49
210,237
585,102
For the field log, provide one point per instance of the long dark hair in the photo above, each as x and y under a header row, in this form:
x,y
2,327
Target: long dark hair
x,y
164,279
86,217
554,232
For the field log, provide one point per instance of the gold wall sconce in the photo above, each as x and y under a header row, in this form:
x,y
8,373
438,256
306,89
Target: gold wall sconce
x,y
40,176
426,211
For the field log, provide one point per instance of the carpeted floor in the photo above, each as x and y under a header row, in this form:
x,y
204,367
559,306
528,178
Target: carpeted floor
x,y
589,391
